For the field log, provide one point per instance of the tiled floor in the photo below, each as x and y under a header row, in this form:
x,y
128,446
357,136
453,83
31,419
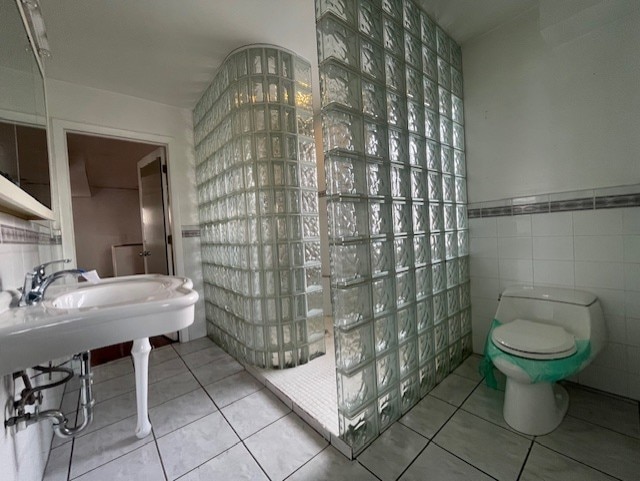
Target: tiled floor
x,y
213,421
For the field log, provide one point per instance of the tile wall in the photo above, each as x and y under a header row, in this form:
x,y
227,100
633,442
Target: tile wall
x,y
594,249
24,245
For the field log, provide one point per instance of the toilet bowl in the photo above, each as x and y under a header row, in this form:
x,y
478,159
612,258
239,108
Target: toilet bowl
x,y
541,336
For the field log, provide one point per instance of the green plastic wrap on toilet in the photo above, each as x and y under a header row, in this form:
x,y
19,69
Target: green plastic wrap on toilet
x,y
538,370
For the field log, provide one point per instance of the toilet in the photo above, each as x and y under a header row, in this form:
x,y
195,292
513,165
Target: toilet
x,y
541,336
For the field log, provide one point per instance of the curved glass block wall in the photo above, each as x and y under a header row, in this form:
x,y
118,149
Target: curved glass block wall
x,y
258,205
391,86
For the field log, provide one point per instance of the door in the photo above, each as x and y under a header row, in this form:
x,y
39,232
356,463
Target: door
x,y
154,215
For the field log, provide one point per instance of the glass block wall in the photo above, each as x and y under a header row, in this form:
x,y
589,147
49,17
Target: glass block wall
x,y
258,205
391,88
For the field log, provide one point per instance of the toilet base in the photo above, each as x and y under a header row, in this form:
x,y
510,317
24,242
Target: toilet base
x,y
534,409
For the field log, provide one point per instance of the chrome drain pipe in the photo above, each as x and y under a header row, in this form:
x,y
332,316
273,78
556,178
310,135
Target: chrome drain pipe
x,y
60,422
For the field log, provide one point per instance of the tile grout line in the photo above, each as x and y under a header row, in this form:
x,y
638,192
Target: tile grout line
x,y
526,458
155,442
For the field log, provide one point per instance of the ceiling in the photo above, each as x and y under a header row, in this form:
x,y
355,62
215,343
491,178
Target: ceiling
x,y
168,50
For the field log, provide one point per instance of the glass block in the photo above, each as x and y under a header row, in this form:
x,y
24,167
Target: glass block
x,y
373,99
302,72
388,408
387,370
440,336
414,85
349,262
429,63
345,175
342,131
461,190
446,159
343,9
421,249
400,181
286,65
259,122
380,221
426,347
443,44
444,98
405,289
467,348
348,219
385,335
336,41
355,389
354,347
465,295
455,354
396,109
412,50
436,221
456,82
417,149
438,275
428,31
394,72
409,391
448,188
375,139
463,243
403,254
452,272
372,60
463,265
398,146
401,218
442,365
444,74
361,428
457,109
453,305
439,308
446,131
339,85
256,61
351,304
392,34
369,20
273,89
427,375
415,118
308,177
383,295
407,357
458,136
406,320
423,282
432,125
433,155
420,217
460,163
382,258
450,220
465,322
430,89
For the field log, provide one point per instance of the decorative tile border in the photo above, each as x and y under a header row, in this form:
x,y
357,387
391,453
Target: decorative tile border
x,y
607,198
17,235
190,231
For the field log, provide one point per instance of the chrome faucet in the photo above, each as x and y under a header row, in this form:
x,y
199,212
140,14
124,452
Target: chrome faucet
x,y
36,282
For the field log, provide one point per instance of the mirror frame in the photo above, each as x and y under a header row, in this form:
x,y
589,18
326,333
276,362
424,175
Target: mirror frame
x,y
14,200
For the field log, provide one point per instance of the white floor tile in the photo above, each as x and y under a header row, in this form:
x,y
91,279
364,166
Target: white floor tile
x,y
546,465
58,465
454,389
205,356
215,371
494,450
192,346
171,388
470,368
236,464
162,354
597,447
437,464
392,452
114,387
143,464
113,369
232,388
264,407
331,465
195,444
180,411
111,411
167,369
284,446
428,416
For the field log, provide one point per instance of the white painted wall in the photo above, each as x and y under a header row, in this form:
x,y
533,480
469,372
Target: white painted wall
x,y
542,118
79,108
108,217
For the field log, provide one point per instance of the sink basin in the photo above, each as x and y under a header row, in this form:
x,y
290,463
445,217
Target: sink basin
x,y
88,316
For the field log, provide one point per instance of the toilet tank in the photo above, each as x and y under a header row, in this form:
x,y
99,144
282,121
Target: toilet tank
x,y
578,312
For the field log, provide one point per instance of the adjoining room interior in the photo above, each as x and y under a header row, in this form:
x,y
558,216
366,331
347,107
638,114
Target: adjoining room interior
x,y
366,196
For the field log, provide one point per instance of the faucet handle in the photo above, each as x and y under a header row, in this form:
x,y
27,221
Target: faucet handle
x,y
39,270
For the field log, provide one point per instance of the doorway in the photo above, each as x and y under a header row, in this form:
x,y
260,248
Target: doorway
x,y
121,222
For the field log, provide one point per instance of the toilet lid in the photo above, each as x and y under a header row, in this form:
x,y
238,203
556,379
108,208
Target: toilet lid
x,y
533,340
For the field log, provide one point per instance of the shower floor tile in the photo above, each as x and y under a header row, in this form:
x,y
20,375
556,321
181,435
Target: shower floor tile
x,y
200,422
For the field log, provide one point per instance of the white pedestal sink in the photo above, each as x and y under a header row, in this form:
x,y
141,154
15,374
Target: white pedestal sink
x,y
89,316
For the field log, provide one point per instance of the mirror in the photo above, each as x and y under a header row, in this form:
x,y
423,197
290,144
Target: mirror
x,y
24,159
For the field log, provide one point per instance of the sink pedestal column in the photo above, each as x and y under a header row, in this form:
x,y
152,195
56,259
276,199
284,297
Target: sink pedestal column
x,y
140,352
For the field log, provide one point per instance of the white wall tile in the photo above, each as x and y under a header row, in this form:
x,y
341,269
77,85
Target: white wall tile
x,y
634,386
606,379
515,248
632,248
613,355
598,248
514,226
480,227
556,224
633,331
616,327
632,277
482,313
484,247
631,221
597,222
485,287
612,300
553,248
483,266
609,275
633,353
558,273
632,304
519,271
